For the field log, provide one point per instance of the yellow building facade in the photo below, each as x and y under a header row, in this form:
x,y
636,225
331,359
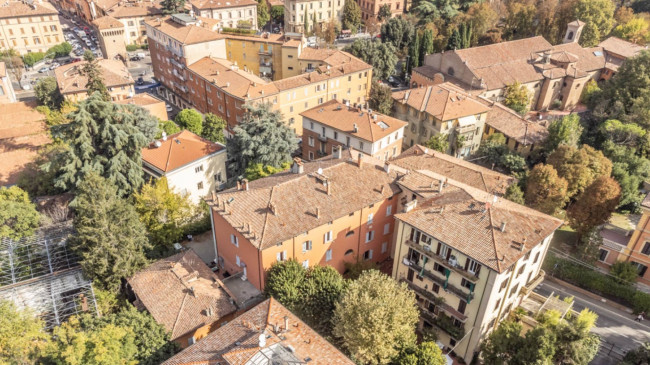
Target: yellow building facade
x,y
29,28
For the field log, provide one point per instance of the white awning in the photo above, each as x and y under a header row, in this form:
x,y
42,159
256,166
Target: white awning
x,y
468,120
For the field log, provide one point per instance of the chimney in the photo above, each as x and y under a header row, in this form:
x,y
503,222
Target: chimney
x,y
244,184
317,213
272,208
503,226
523,244
381,191
360,160
214,196
337,152
355,128
275,328
329,188
297,167
387,167
262,339
238,185
192,291
286,323
441,184
208,312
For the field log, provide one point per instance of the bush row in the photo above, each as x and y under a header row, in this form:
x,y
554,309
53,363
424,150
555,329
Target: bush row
x,y
239,31
597,283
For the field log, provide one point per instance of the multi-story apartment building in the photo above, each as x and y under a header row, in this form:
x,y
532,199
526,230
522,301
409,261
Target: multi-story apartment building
x,y
442,109
198,68
335,125
29,26
133,14
230,13
116,77
370,8
7,94
466,253
318,12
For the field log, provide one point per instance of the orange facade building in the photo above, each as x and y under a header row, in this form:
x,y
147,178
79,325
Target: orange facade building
x,y
638,248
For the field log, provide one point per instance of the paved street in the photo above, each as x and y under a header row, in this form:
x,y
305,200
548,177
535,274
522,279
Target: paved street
x,y
618,328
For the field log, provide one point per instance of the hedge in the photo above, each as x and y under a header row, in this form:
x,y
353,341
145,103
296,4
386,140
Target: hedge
x,y
239,31
31,58
135,47
597,283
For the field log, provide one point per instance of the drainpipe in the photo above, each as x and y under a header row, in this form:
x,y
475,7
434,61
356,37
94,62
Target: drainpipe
x,y
214,237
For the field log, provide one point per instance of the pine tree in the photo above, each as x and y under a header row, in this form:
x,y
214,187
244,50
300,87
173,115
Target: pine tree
x,y
109,239
261,137
107,139
262,14
94,74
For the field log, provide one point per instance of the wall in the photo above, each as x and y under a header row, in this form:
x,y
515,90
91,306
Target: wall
x,y
111,41
230,16
116,93
321,11
30,34
7,94
186,179
511,143
245,51
633,252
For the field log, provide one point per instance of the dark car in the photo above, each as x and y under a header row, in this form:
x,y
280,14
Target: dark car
x,y
394,81
140,81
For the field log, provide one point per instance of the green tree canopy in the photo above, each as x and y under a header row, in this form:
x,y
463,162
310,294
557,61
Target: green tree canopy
x,y
284,282
22,337
109,239
384,12
257,170
47,93
277,12
598,16
397,31
517,97
376,317
106,139
638,356
515,194
381,99
321,290
18,215
351,15
173,6
93,72
168,127
438,142
261,137
545,190
595,205
579,166
382,56
191,120
213,127
625,271
426,353
623,134
566,130
263,15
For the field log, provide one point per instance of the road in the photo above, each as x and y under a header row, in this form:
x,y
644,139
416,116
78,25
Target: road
x,y
618,330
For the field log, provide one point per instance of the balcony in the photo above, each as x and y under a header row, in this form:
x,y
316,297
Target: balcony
x,y
433,298
322,138
440,281
445,323
265,63
534,282
265,52
441,260
176,63
321,153
465,129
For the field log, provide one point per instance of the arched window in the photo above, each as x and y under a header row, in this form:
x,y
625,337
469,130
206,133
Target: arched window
x,y
450,71
349,234
349,252
570,35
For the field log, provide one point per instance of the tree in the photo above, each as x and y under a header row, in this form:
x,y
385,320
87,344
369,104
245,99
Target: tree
x,y
414,54
173,6
257,170
502,344
277,13
634,30
261,137
59,50
384,12
191,120
579,167
520,21
517,97
306,24
33,57
163,211
630,170
381,98
575,344
432,9
515,194
22,337
92,71
382,56
566,130
455,40
483,18
438,142
397,31
625,271
638,356
263,15
105,345
623,134
595,205
374,317
284,283
109,239
426,353
329,31
47,93
213,127
168,127
426,45
321,290
351,15
107,139
39,176
18,215
598,16
590,92
545,190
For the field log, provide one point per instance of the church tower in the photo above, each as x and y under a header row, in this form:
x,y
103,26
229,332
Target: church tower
x,y
573,31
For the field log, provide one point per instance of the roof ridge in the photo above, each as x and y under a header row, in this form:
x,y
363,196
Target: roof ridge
x,y
494,239
266,217
178,315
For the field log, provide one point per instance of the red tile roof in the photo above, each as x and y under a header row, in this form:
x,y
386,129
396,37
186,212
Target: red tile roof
x,y
178,150
237,342
512,125
443,101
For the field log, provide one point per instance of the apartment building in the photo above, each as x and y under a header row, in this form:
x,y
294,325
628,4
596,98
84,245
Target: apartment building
x,y
132,15
262,55
333,125
29,26
230,13
318,12
522,135
442,109
468,255
116,77
192,165
267,334
370,8
7,94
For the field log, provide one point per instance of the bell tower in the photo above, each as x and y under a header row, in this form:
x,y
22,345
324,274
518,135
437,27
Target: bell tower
x,y
573,31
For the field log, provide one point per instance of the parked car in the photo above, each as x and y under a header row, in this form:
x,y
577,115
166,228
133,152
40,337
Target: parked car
x,y
276,29
43,70
393,81
140,81
54,65
135,58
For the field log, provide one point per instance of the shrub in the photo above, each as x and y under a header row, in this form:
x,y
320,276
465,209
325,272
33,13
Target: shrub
x,y
132,47
31,58
238,31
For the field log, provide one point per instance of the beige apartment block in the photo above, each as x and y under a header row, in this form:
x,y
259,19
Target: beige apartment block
x,y
29,26
370,8
230,13
72,83
133,14
7,94
318,12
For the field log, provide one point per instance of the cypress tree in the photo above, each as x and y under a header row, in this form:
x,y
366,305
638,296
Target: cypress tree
x,y
454,41
414,53
427,45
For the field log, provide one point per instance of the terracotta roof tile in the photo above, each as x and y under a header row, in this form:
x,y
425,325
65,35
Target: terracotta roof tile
x,y
587,59
182,293
107,22
70,80
221,4
321,74
178,150
237,342
512,125
443,101
336,115
187,34
17,9
231,79
136,9
646,201
621,47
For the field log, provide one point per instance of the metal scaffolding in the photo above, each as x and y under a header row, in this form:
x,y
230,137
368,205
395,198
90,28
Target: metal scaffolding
x,y
41,273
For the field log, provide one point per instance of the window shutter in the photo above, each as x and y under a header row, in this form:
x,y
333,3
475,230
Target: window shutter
x,y
478,269
279,256
467,263
304,246
370,254
438,249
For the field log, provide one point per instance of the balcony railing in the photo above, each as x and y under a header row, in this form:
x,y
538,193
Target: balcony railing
x,y
322,138
321,153
266,52
459,269
433,298
465,129
534,282
440,281
445,323
266,63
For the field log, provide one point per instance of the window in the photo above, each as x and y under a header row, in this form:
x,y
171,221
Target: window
x,y
311,155
237,260
646,249
349,234
361,145
536,258
384,247
199,185
370,216
472,266
306,246
521,270
386,228
503,285
514,290
328,255
367,255
328,237
439,268
305,264
462,306
389,210
311,141
498,304
467,284
234,240
602,255
336,135
641,269
198,168
370,236
349,252
281,256
217,177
